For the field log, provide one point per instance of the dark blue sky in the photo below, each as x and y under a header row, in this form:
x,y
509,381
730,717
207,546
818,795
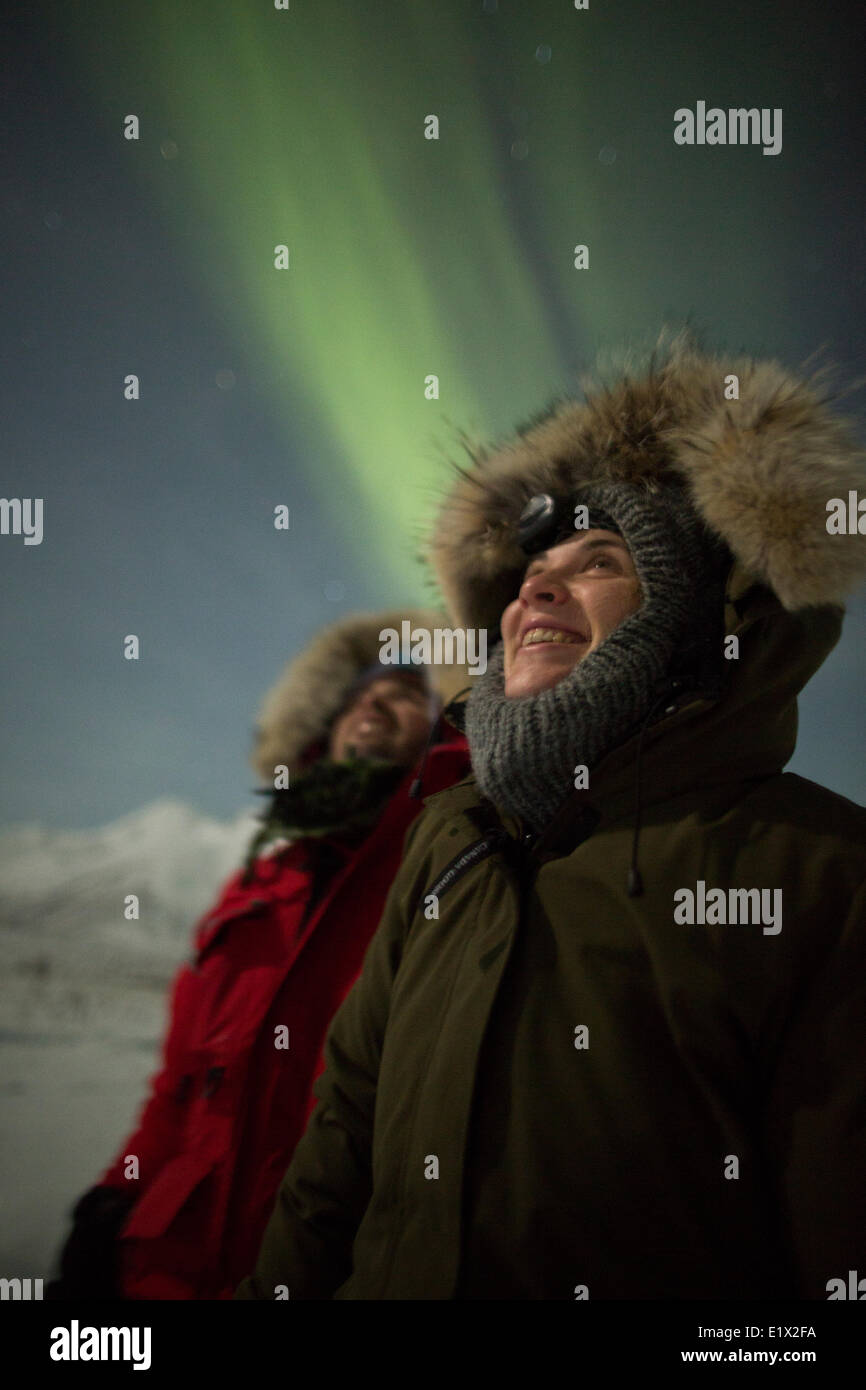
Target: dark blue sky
x,y
157,513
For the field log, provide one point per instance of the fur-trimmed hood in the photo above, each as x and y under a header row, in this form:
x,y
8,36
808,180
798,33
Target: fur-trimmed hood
x,y
760,471
299,709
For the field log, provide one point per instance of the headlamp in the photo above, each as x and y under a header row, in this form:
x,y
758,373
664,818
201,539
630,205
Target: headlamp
x,y
547,519
540,520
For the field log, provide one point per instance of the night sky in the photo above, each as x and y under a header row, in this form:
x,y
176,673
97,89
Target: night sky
x,y
408,256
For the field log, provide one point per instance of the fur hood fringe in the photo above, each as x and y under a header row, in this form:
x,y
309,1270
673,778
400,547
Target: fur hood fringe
x,y
298,710
760,471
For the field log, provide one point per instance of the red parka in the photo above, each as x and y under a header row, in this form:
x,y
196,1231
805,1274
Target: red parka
x,y
231,1099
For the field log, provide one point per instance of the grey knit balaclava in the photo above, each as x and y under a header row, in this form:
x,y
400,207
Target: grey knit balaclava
x,y
525,749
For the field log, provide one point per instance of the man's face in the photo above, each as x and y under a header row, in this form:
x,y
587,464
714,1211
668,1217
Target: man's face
x,y
572,597
390,718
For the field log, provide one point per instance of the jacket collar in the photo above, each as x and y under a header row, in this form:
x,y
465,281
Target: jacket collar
x,y
747,733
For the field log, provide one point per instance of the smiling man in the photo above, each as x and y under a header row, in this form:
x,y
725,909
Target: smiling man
x,y
548,1083
387,716
180,1211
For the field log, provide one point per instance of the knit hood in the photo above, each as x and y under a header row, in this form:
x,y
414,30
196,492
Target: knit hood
x,y
759,471
297,712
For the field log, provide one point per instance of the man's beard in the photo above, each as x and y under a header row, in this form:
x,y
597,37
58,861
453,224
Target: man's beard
x,y
380,746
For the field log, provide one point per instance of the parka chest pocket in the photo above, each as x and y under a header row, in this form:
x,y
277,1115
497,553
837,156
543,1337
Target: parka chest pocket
x,y
210,1082
245,952
214,929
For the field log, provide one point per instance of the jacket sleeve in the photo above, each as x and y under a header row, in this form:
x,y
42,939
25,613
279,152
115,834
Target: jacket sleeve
x,y
307,1245
816,1119
153,1139
89,1256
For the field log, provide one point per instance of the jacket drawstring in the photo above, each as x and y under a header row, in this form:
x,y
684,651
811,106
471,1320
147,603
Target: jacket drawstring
x,y
415,788
635,882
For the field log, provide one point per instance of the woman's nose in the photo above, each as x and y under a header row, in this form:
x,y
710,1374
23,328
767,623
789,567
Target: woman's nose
x,y
542,588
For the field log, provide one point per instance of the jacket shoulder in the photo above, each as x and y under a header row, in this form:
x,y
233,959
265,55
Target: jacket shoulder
x,y
271,872
454,799
822,821
840,813
460,810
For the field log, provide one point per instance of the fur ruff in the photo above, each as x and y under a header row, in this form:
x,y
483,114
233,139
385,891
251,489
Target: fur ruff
x,y
298,710
759,470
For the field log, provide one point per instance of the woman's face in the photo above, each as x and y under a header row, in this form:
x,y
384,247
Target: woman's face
x,y
571,599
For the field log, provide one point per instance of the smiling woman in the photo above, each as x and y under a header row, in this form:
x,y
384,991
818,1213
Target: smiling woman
x,y
573,596
641,585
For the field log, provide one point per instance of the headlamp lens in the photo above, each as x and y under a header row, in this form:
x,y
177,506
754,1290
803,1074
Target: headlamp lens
x,y
538,522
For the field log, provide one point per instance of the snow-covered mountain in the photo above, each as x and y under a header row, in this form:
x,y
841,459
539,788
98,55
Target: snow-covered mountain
x,y
167,853
64,938
83,998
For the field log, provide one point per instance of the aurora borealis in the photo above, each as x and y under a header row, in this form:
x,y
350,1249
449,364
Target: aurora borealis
x,y
408,257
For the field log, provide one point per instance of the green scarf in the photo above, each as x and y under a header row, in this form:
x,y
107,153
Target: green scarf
x,y
333,798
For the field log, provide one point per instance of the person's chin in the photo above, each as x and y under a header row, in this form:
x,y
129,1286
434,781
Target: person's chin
x,y
549,665
380,748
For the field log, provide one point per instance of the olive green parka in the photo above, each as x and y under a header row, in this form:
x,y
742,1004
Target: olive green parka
x,y
542,1087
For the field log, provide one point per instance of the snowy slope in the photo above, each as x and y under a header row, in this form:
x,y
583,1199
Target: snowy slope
x,y
82,1003
63,933
61,882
